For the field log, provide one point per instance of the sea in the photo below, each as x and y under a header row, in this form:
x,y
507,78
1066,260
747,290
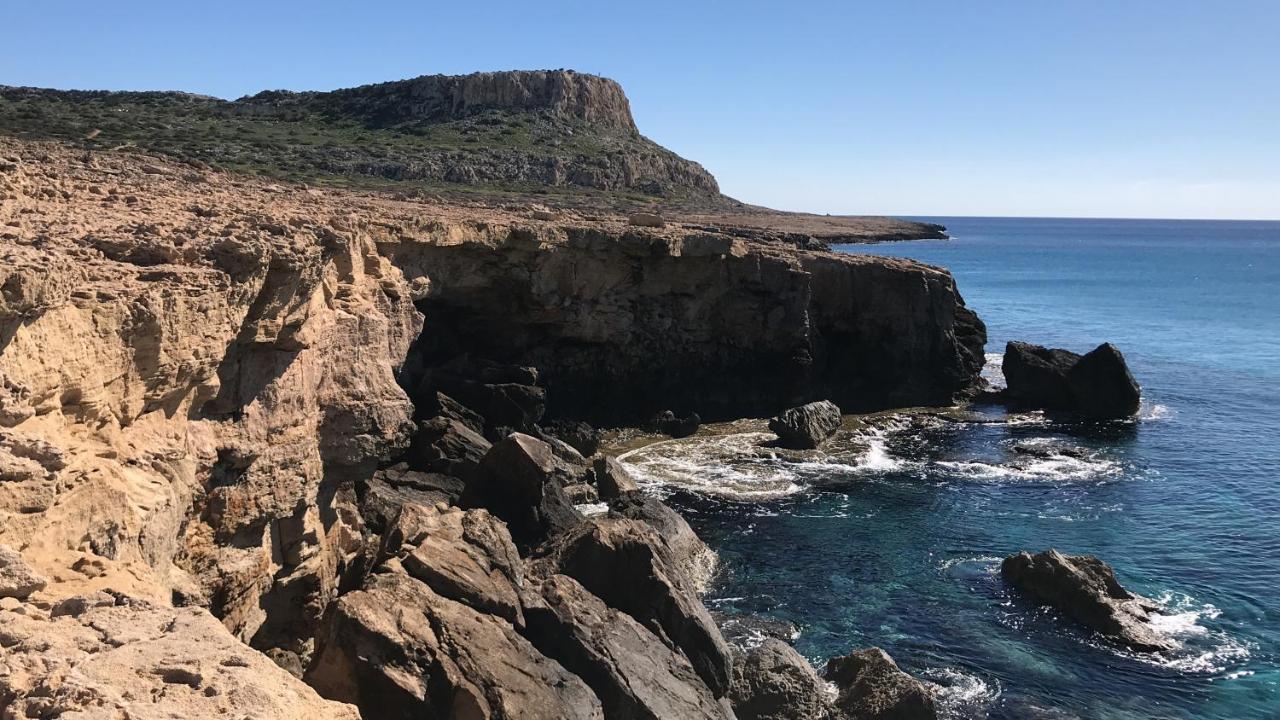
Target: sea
x,y
892,535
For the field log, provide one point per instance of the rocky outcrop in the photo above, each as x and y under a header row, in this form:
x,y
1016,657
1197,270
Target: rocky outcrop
x,y
873,687
1097,385
772,681
521,482
806,427
689,554
612,479
1085,589
17,578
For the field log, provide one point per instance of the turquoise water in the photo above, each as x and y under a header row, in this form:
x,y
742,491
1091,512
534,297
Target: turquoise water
x,y
892,536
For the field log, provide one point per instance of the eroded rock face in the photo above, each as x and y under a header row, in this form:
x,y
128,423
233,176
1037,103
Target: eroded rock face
x,y
1085,589
873,687
808,426
17,578
772,681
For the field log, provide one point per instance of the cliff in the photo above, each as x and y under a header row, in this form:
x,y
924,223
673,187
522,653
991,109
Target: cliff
x,y
203,400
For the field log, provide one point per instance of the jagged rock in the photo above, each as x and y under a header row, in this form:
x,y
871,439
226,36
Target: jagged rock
x,y
632,672
563,450
517,481
872,687
584,438
433,404
807,426
692,558
1102,386
1085,589
396,649
447,446
668,423
613,480
650,220
581,494
772,681
1036,376
382,495
628,566
17,578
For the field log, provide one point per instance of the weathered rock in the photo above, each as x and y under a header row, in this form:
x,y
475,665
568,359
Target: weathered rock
x,y
632,672
1102,386
1085,589
17,578
613,480
668,423
517,481
584,438
872,687
505,396
807,426
581,494
628,566
692,558
1036,376
396,649
651,220
447,446
382,495
437,404
772,681
746,630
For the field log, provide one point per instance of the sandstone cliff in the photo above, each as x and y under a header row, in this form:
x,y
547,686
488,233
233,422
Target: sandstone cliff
x,y
201,375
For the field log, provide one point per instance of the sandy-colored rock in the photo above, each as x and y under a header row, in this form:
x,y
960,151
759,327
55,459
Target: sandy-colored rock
x,y
17,578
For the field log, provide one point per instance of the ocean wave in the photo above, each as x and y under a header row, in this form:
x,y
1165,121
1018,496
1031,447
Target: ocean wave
x,y
1046,459
961,694
1155,411
993,370
1201,649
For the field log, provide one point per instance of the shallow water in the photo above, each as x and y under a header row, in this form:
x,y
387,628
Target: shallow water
x,y
892,535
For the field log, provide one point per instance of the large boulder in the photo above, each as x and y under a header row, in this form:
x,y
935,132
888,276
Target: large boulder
x,y
17,578
1036,376
584,438
382,495
447,445
693,559
1085,589
521,481
772,681
872,687
628,566
677,426
1102,386
632,672
504,395
807,426
613,480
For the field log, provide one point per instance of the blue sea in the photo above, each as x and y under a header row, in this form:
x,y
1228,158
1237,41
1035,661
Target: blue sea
x,y
892,536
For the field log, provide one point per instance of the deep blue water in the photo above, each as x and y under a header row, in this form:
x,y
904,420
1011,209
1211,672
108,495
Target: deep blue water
x,y
892,537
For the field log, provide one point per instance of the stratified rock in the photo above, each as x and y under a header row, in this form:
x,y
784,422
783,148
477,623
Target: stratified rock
x,y
1102,386
808,426
1036,376
1085,589
448,446
668,423
691,556
872,687
382,495
632,672
396,649
517,481
626,564
772,681
17,578
613,480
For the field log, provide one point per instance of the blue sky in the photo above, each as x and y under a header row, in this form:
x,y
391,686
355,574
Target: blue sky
x,y
1116,109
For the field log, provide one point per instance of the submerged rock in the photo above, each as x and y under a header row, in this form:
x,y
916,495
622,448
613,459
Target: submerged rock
x,y
873,687
807,426
1085,589
1097,385
774,682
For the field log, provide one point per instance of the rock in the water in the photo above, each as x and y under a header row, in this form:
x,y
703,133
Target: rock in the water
x,y
17,578
873,687
634,674
692,558
1036,376
774,682
381,496
627,565
668,423
613,480
1102,386
517,481
807,426
1085,589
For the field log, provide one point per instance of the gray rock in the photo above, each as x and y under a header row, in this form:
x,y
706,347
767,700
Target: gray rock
x,y
1085,589
873,687
17,578
808,426
772,681
517,481
382,495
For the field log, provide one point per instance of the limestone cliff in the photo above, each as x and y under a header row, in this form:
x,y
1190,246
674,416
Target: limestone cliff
x,y
200,374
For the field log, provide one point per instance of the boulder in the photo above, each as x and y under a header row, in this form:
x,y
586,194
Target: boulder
x,y
17,578
628,566
449,446
692,558
381,496
1036,376
668,423
504,395
633,673
437,404
772,681
613,480
1102,386
1085,589
808,426
397,649
872,687
651,220
584,438
518,481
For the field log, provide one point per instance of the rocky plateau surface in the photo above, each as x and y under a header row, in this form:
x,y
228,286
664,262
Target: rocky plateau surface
x,y
292,452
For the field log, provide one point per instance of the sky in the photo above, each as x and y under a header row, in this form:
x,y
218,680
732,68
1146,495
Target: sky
x,y
1030,108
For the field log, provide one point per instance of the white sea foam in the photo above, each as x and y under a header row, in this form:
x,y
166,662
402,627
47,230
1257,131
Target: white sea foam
x,y
1154,411
961,694
1201,649
993,370
590,509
